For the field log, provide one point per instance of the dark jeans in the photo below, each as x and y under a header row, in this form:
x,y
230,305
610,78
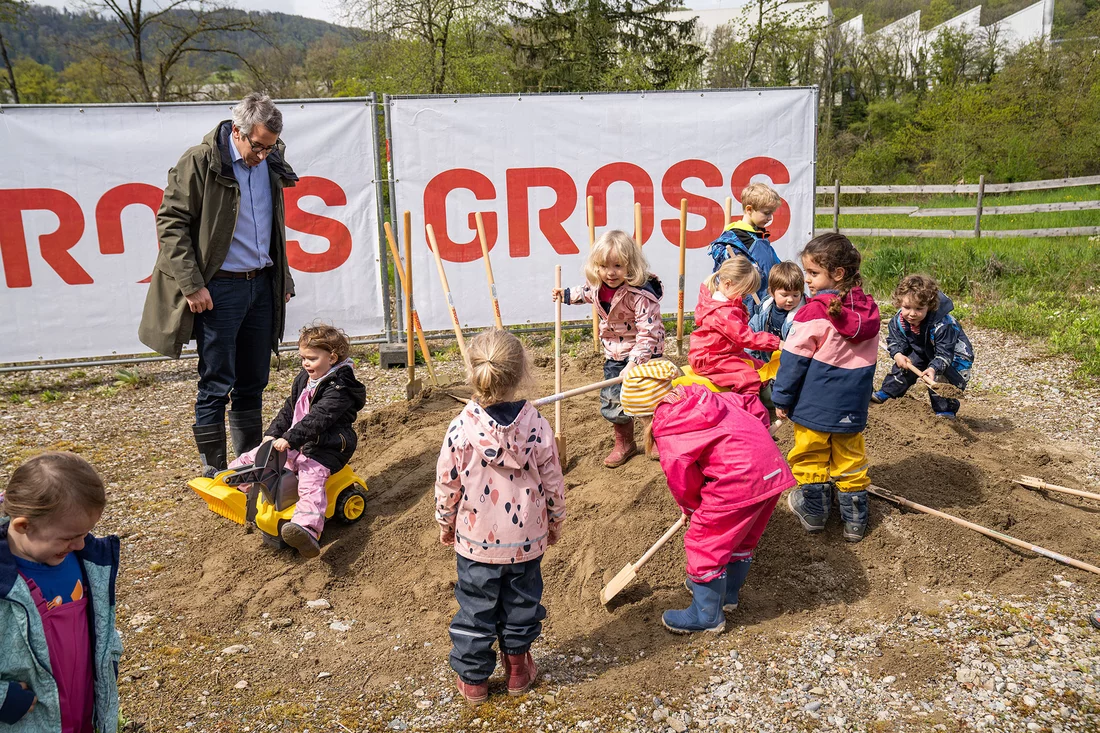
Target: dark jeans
x,y
494,602
899,380
611,406
234,343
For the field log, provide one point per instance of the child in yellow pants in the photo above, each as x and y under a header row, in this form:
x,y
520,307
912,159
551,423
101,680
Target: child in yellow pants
x,y
824,385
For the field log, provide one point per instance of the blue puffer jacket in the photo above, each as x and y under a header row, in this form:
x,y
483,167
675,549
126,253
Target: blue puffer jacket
x,y
759,323
24,656
740,238
941,341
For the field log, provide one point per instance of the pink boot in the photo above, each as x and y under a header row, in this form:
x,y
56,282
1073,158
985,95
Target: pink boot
x,y
625,447
521,672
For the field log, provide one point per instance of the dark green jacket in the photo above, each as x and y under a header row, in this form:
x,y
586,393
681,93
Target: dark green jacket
x,y
195,226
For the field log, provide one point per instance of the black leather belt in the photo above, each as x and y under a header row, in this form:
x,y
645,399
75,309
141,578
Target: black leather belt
x,y
250,275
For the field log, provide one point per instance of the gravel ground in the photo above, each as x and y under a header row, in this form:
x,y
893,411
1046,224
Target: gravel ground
x,y
958,662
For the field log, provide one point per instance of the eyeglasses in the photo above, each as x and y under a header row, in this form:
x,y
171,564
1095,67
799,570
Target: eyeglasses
x,y
257,148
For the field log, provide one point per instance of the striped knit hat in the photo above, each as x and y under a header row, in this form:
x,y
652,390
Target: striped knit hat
x,y
646,385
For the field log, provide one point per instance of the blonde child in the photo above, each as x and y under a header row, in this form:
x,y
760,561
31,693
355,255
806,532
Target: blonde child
x,y
924,334
500,501
316,428
748,238
628,300
824,385
724,471
722,337
59,648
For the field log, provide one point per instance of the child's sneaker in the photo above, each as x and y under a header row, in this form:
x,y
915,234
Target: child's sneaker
x,y
475,694
879,397
1094,619
946,415
300,539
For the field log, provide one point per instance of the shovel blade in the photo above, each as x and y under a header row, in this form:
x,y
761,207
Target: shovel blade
x,y
620,581
560,442
413,388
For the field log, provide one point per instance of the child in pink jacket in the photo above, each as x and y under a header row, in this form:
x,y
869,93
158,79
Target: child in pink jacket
x,y
500,501
725,472
628,301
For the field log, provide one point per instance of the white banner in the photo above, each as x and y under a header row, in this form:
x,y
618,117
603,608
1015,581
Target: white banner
x,y
79,188
529,162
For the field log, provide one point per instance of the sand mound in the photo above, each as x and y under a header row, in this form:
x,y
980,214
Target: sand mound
x,y
392,576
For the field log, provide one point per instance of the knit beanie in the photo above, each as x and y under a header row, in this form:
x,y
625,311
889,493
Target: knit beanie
x,y
646,385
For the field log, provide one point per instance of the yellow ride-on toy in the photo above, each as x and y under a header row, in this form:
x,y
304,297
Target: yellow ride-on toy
x,y
273,492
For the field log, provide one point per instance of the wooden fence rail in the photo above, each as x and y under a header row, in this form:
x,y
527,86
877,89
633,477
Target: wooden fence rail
x,y
977,211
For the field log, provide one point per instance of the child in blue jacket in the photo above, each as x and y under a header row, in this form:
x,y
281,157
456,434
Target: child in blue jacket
x,y
785,298
924,334
59,648
747,237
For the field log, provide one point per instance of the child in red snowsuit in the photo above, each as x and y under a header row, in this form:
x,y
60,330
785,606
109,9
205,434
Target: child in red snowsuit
x,y
725,472
722,338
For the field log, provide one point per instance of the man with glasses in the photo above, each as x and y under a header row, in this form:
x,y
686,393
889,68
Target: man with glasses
x,y
221,275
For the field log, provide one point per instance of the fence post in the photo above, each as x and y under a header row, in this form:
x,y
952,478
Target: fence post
x,y
836,205
978,216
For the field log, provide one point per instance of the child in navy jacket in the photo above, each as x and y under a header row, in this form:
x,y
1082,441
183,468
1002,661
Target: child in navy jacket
x,y
925,335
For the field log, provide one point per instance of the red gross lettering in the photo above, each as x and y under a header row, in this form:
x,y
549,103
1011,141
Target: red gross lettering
x,y
338,236
55,246
108,214
673,190
638,179
435,212
519,182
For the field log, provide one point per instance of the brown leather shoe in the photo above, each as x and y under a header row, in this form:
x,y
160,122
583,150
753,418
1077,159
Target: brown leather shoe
x,y
473,694
625,447
521,671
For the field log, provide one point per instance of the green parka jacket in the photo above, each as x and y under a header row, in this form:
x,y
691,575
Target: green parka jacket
x,y
195,226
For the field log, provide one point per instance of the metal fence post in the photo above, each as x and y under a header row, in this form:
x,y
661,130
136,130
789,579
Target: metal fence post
x,y
978,214
836,205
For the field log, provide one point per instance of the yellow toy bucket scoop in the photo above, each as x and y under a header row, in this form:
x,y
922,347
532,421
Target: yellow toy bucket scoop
x,y
272,493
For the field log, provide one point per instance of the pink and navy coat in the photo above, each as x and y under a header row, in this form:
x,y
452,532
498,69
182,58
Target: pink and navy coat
x,y
499,487
722,466
721,340
632,328
827,370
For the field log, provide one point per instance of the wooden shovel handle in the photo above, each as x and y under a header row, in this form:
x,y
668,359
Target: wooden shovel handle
x,y
557,351
488,269
683,261
928,381
577,391
447,292
890,496
660,543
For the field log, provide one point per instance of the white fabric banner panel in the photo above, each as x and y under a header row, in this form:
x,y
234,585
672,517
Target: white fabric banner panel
x,y
79,188
527,163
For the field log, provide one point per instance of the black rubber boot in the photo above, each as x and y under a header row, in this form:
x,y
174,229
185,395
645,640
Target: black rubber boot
x,y
853,510
246,429
210,440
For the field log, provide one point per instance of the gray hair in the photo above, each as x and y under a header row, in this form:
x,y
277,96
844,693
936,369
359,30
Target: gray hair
x,y
257,109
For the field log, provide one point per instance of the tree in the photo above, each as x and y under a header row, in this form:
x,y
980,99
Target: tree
x,y
161,37
433,23
39,82
591,45
9,10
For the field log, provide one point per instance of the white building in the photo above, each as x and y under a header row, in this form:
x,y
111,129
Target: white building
x,y
1033,23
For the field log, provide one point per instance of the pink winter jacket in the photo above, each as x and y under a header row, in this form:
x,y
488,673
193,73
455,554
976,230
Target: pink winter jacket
x,y
499,487
721,340
633,328
716,453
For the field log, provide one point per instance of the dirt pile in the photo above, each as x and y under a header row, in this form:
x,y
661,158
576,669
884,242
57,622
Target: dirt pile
x,y
391,575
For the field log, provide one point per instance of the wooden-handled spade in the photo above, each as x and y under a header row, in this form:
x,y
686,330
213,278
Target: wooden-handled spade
x,y
947,391
628,573
488,270
558,437
406,285
447,292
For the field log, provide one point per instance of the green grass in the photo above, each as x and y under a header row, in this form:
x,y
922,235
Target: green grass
x,y
1040,288
1043,288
